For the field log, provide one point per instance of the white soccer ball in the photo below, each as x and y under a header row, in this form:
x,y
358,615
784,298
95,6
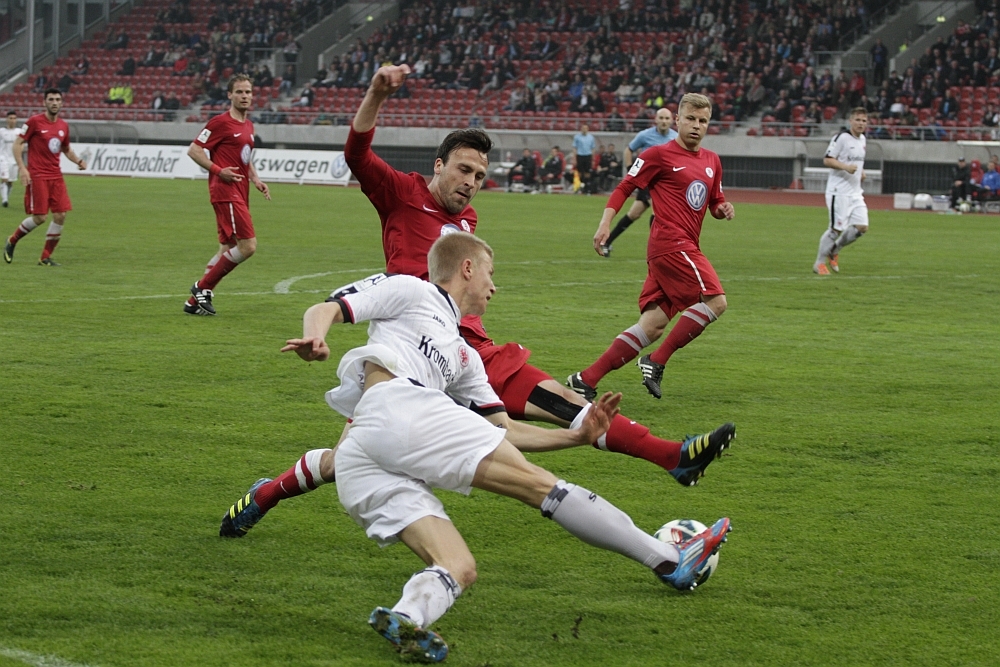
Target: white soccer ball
x,y
965,207
682,530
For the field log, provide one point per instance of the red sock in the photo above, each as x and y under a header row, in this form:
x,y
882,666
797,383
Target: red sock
x,y
302,477
217,273
688,327
628,437
22,231
50,244
626,347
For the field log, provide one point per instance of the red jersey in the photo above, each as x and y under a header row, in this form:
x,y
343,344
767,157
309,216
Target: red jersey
x,y
411,218
229,143
681,183
46,140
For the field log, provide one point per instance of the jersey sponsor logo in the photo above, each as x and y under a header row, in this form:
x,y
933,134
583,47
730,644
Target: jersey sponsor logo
x,y
449,229
205,134
696,195
245,154
710,172
428,349
463,356
55,145
465,225
679,168
634,171
339,166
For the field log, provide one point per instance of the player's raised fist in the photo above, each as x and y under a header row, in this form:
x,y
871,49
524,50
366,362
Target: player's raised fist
x,y
388,79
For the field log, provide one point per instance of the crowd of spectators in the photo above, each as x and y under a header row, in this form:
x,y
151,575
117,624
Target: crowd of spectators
x,y
743,53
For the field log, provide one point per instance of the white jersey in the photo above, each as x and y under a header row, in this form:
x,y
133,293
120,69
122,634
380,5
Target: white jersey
x,y
413,334
7,137
849,150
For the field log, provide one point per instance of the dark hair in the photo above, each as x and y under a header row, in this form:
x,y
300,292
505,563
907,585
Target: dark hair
x,y
51,91
469,138
238,77
11,113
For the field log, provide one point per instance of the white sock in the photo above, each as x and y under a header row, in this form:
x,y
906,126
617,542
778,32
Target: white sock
x,y
847,237
826,243
4,190
234,255
28,224
212,262
54,231
428,595
597,522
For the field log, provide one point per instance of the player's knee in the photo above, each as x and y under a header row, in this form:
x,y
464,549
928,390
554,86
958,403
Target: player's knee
x,y
327,467
247,247
718,304
464,571
39,219
861,229
59,218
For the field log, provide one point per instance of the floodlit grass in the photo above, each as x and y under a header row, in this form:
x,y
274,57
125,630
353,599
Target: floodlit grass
x,y
863,485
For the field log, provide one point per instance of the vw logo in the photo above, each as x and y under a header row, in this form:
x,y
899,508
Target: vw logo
x,y
55,145
449,229
339,166
696,195
245,154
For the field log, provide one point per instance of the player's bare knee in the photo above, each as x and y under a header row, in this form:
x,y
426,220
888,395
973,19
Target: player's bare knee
x,y
464,571
247,247
718,304
58,218
327,467
38,219
861,229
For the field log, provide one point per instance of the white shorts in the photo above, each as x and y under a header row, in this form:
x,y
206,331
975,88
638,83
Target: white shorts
x,y
404,441
846,210
8,170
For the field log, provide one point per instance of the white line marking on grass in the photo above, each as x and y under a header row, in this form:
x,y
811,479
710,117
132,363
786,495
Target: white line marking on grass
x,y
37,660
284,287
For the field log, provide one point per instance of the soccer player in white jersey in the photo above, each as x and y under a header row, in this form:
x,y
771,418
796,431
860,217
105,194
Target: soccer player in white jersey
x,y
8,167
844,197
423,416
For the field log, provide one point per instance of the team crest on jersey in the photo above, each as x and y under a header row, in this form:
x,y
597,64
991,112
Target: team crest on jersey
x,y
696,195
245,154
463,356
710,172
449,229
54,145
465,226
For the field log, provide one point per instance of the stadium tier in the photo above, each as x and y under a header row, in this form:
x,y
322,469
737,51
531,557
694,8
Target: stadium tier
x,y
550,67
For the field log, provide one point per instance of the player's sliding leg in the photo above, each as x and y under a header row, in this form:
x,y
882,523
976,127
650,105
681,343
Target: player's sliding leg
x,y
827,243
626,347
313,470
533,395
5,193
26,226
590,518
52,236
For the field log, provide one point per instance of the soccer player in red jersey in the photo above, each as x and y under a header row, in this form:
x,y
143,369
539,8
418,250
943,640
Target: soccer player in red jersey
x,y
684,181
47,136
229,139
414,214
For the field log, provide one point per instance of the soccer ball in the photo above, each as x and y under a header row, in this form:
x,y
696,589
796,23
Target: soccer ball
x,y
965,207
682,530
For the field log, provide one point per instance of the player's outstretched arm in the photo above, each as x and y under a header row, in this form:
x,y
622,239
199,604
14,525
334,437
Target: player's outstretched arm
x,y
530,438
315,324
385,82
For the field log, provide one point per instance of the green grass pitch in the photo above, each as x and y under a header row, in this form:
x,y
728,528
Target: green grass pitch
x,y
863,485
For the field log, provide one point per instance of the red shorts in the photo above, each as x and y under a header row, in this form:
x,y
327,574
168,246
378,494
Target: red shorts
x,y
501,362
233,221
677,281
517,387
44,195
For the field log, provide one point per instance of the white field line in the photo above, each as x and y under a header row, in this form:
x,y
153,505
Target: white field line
x,y
37,660
285,286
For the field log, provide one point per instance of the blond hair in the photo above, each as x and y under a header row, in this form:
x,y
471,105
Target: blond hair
x,y
449,251
695,101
